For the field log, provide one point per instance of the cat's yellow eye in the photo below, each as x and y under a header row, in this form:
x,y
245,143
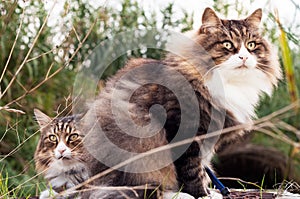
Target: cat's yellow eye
x,y
228,45
251,45
52,138
73,137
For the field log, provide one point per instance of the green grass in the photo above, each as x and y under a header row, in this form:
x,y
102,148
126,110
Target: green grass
x,y
261,186
27,186
267,106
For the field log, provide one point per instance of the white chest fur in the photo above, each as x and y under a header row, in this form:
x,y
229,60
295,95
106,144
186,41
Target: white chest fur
x,y
237,84
66,173
239,90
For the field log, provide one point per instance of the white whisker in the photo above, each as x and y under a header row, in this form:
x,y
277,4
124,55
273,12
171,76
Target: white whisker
x,y
264,71
216,66
44,155
262,64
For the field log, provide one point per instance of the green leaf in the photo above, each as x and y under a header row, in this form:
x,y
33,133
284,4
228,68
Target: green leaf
x,y
287,62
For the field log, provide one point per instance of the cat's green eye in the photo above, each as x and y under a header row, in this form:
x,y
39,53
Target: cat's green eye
x,y
228,45
52,138
73,137
251,45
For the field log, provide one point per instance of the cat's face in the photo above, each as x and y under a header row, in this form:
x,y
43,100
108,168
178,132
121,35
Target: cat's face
x,y
237,45
243,66
60,141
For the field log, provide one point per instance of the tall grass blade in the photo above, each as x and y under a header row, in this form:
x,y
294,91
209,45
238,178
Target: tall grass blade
x,y
287,61
290,78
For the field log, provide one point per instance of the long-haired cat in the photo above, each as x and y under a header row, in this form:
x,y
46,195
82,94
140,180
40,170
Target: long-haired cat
x,y
233,66
139,109
60,155
64,162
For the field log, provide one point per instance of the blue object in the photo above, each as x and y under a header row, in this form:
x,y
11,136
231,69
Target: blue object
x,y
224,190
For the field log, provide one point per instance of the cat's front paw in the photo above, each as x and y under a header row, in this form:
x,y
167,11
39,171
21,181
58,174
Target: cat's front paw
x,y
50,193
178,195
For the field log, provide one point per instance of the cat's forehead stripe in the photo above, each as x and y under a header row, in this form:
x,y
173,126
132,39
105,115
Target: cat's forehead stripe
x,y
69,129
238,27
63,127
236,32
55,129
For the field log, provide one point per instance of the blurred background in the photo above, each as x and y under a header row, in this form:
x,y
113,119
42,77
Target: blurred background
x,y
44,43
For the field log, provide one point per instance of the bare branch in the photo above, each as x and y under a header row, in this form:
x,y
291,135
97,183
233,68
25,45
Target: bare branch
x,y
17,148
240,180
13,47
270,133
290,128
259,125
53,74
18,82
49,69
36,87
28,53
12,110
38,56
76,34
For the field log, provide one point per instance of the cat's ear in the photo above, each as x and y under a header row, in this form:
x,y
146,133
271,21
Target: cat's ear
x,y
255,17
209,17
79,117
42,119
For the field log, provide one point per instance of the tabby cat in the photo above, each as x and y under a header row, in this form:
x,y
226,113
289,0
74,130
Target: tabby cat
x,y
236,66
60,155
236,57
61,158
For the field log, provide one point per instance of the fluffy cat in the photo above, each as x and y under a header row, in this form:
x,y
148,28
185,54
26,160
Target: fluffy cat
x,y
232,54
61,158
245,62
132,116
60,155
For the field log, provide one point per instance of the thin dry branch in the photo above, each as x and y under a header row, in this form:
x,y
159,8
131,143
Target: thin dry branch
x,y
11,191
49,70
22,143
116,188
240,180
11,110
76,34
36,87
282,111
289,127
48,77
82,42
18,82
259,125
287,186
13,47
28,53
17,148
280,133
43,54
284,139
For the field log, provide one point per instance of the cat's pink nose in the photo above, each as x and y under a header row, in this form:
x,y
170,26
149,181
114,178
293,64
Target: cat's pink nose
x,y
244,58
61,151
